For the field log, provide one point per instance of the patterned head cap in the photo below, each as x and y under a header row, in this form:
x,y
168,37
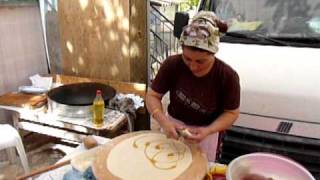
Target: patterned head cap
x,y
202,32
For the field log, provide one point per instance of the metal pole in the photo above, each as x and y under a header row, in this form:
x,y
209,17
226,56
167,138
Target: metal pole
x,y
42,8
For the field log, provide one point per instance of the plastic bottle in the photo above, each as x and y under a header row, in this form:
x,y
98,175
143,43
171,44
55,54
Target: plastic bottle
x,y
98,110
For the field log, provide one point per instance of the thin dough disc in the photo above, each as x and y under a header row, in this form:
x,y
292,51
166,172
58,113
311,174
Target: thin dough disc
x,y
149,156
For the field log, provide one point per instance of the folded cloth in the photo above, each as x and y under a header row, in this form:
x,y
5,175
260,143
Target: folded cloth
x,y
77,175
88,174
137,100
41,82
73,175
125,105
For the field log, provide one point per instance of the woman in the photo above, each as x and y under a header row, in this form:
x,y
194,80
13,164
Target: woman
x,y
204,91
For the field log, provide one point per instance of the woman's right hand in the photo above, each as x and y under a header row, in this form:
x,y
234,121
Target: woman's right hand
x,y
170,128
154,105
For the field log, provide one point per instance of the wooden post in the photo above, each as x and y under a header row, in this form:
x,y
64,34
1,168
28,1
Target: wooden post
x,y
105,39
138,41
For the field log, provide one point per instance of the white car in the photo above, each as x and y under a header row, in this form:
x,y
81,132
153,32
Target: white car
x,y
274,45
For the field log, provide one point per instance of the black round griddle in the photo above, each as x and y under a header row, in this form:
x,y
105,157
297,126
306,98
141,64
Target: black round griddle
x,y
80,94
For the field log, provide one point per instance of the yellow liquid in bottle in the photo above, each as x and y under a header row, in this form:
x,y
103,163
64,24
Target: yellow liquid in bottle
x,y
98,113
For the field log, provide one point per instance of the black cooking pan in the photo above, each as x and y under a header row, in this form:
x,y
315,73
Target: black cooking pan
x,y
80,94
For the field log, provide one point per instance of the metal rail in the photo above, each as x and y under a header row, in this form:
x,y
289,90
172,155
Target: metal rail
x,y
162,41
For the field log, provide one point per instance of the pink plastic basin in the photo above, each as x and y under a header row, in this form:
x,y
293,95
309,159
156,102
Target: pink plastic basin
x,y
267,165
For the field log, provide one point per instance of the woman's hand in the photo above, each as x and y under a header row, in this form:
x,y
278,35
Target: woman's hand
x,y
154,105
198,134
170,128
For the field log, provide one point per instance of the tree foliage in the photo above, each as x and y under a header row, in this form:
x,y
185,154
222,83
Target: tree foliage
x,y
191,4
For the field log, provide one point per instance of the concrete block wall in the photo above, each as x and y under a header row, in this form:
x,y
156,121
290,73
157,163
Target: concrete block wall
x,y
22,52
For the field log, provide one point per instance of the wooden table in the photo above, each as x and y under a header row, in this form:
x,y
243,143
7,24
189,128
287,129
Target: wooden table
x,y
30,114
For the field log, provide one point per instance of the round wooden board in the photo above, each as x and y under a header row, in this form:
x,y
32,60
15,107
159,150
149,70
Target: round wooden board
x,y
196,171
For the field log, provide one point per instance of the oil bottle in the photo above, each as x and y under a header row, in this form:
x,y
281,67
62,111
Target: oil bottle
x,y
98,110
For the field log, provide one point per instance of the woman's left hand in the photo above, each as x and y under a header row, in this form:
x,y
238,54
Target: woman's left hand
x,y
198,134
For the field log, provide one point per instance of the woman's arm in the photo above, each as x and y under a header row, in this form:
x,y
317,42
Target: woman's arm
x,y
153,102
154,106
223,122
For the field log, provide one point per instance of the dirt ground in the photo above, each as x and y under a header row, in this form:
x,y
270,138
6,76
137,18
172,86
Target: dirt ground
x,y
41,151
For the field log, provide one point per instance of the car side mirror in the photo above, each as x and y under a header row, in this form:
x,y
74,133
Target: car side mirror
x,y
181,19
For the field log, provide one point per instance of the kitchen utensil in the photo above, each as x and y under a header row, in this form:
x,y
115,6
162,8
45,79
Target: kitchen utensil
x,y
75,100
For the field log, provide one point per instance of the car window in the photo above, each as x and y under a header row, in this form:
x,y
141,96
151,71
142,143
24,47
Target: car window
x,y
280,22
